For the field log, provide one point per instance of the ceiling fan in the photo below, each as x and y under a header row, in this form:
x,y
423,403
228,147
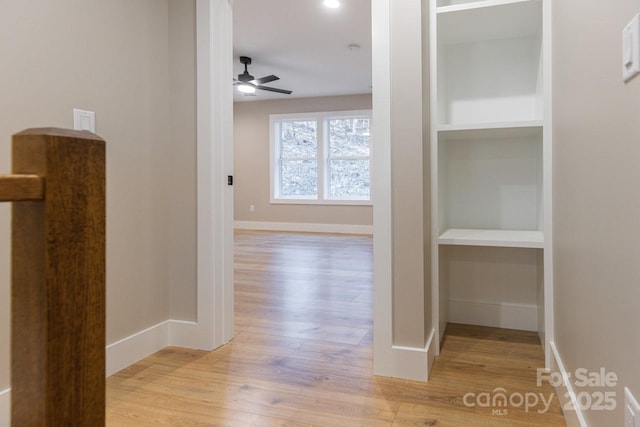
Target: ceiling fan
x,y
248,84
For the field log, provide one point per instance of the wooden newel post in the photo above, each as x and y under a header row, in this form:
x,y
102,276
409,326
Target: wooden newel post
x,y
58,282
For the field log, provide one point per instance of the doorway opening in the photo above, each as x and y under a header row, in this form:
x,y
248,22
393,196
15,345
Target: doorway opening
x,y
301,288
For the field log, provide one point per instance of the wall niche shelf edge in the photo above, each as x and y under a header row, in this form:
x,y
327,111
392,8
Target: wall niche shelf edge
x,y
497,238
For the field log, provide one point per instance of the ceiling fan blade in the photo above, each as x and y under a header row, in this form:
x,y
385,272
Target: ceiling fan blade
x,y
273,89
265,79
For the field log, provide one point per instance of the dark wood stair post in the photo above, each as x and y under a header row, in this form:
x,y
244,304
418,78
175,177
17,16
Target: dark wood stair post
x,y
58,278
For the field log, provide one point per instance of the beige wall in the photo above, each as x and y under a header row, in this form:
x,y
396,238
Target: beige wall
x,y
251,163
410,172
110,57
596,205
180,162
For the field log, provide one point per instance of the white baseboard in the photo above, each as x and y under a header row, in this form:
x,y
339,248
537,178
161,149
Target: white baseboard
x,y
184,334
410,363
5,408
120,354
305,227
136,347
127,351
431,350
573,417
499,315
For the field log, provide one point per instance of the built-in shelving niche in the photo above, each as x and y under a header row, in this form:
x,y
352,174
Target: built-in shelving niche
x,y
489,63
490,186
489,153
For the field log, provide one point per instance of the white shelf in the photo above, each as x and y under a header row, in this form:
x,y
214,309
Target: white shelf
x,y
483,126
475,4
499,238
491,130
449,3
488,20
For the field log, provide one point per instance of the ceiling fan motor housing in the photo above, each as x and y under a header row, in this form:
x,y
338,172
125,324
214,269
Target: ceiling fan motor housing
x,y
245,77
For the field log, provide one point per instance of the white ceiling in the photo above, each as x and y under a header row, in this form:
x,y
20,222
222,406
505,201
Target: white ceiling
x,y
305,44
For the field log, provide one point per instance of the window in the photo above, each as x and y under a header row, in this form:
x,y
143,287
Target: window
x,y
321,158
298,159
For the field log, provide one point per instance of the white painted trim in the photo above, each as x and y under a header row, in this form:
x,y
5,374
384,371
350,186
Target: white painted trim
x,y
214,325
305,227
494,314
223,97
183,334
129,350
565,391
547,173
411,362
5,408
322,202
322,155
438,319
385,359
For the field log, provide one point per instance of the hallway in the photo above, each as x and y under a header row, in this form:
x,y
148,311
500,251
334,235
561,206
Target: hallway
x,y
302,355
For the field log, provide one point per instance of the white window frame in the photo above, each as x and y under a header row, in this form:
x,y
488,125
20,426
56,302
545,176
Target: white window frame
x,y
321,119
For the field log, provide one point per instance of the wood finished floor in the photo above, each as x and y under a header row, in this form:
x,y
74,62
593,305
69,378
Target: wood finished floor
x,y
302,355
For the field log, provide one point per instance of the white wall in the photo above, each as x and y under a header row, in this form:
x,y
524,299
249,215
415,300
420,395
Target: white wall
x,y
596,206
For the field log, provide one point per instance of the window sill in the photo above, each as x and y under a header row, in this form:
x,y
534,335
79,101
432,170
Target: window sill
x,y
321,202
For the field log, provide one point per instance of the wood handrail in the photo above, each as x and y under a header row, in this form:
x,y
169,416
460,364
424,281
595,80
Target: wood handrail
x,y
17,188
57,278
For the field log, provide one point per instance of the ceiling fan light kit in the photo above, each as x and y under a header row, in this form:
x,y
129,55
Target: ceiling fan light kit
x,y
248,84
246,88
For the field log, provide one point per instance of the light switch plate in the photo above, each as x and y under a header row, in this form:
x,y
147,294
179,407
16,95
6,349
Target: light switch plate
x,y
631,49
84,120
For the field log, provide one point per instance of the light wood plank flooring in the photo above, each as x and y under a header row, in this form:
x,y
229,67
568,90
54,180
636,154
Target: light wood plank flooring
x,y
302,355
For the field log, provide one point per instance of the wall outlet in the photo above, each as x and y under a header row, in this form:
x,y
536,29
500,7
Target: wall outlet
x,y
631,410
252,208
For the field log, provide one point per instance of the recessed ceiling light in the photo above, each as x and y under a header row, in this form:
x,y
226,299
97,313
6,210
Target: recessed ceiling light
x,y
333,4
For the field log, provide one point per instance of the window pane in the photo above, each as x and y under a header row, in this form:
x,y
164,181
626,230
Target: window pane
x,y
299,138
349,137
299,178
349,179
